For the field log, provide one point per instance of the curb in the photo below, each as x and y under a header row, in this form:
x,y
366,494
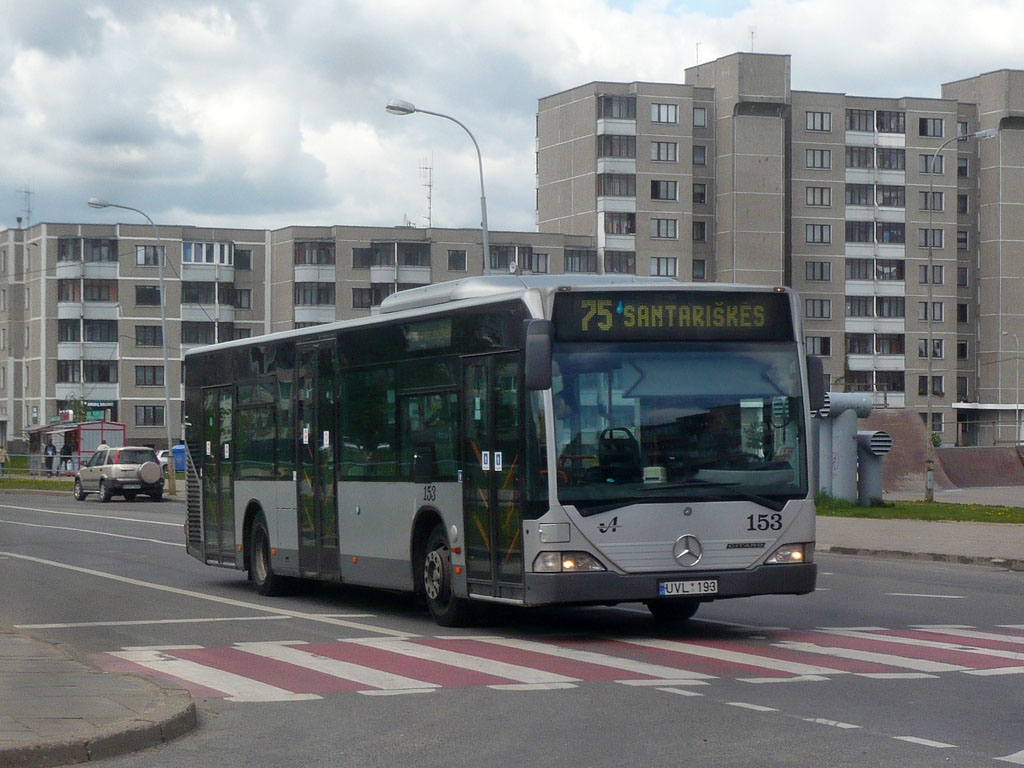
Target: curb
x,y
994,562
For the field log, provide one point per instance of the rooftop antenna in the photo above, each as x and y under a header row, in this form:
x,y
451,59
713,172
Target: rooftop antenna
x,y
753,31
427,174
26,195
698,53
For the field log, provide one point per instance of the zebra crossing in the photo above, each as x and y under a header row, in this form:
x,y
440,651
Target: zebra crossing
x,y
270,671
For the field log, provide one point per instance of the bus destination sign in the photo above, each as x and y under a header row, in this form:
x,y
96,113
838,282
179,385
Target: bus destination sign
x,y
672,316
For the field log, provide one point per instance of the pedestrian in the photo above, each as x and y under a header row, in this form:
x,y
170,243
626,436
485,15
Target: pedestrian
x,y
102,446
3,460
65,456
50,451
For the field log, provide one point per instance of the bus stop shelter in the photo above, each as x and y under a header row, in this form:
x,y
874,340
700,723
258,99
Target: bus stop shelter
x,y
83,437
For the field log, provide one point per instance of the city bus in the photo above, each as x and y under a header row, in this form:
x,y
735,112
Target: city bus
x,y
520,439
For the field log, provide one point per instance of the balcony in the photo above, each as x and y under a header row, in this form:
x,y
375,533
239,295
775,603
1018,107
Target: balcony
x,y
613,204
616,165
616,126
876,362
315,273
315,314
69,310
207,273
413,275
68,270
206,313
99,310
616,242
874,325
87,350
100,270
876,288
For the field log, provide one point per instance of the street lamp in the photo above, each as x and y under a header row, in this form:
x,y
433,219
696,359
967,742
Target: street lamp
x,y
930,241
400,107
1016,407
98,202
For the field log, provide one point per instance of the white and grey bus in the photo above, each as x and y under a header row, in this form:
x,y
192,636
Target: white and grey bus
x,y
531,440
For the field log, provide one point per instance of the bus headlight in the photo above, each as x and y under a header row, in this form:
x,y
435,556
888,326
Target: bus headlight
x,y
790,553
566,562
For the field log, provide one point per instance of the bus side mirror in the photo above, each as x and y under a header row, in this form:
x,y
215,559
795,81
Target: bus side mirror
x,y
539,334
815,383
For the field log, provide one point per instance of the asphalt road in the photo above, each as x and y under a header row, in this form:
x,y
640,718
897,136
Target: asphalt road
x,y
889,662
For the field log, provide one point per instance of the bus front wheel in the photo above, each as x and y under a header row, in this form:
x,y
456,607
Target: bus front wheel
x,y
447,609
261,572
673,610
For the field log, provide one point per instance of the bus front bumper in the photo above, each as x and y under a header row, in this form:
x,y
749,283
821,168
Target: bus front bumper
x,y
606,588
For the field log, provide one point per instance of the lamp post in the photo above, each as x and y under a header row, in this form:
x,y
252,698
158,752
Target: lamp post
x,y
1016,397
97,202
930,242
399,107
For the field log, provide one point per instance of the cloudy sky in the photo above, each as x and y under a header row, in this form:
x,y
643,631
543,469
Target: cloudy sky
x,y
266,113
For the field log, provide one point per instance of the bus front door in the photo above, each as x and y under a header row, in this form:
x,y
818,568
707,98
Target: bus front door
x,y
492,481
218,499
316,394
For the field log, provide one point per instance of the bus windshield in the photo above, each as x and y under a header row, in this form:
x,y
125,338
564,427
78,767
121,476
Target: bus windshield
x,y
662,421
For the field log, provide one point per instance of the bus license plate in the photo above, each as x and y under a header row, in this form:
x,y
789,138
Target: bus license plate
x,y
696,587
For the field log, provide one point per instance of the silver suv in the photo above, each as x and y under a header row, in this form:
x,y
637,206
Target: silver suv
x,y
124,472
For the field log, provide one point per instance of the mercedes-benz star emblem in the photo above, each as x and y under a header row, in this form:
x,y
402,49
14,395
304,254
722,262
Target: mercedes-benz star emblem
x,y
687,551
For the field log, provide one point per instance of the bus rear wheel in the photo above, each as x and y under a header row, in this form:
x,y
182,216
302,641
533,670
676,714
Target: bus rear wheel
x,y
447,609
261,572
673,610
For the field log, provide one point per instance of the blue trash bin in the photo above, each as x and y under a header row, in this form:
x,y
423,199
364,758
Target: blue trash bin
x,y
178,451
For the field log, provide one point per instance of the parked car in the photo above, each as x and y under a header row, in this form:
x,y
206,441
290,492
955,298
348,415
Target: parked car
x,y
163,457
126,471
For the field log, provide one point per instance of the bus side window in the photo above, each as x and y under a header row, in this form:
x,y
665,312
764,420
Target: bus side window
x,y
428,436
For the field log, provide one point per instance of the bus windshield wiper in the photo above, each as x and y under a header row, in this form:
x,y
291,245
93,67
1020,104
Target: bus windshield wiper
x,y
764,501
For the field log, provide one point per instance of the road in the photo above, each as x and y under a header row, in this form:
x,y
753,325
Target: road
x,y
889,662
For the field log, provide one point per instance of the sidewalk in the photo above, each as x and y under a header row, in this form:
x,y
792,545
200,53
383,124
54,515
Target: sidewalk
x,y
55,709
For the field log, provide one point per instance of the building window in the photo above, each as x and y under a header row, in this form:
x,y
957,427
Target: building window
x,y
819,309
616,145
929,201
961,389
922,274
198,333
890,122
929,238
891,232
700,193
665,113
580,260
314,294
664,190
889,344
207,253
924,164
196,292
859,232
456,261
616,107
937,385
620,223
69,371
818,158
859,157
819,197
700,154
961,167
890,269
962,204
147,295
818,345
818,271
69,330
502,256
858,269
149,255
100,371
818,121
242,298
99,330
936,313
961,350
316,253
859,306
243,259
930,126
961,313
242,333
858,343
361,298
700,117
99,290
699,269
961,239
889,381
68,249
859,194
664,151
663,266
892,159
149,375
818,233
620,262
890,196
961,128
149,336
534,263
149,415
890,306
700,231
616,185
860,120
664,229
961,277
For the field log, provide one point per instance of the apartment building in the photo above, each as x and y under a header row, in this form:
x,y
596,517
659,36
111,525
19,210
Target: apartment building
x,y
80,320
900,226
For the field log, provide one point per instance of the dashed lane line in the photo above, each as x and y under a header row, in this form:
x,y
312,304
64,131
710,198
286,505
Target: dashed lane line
x,y
1017,758
925,742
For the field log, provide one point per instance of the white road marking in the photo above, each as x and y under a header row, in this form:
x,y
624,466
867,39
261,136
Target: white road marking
x,y
996,671
397,692
737,657
180,647
926,644
755,707
661,682
833,723
797,679
94,533
599,659
895,675
237,687
1016,758
533,686
937,597
1011,626
962,631
925,742
146,622
99,517
920,665
375,678
465,661
680,691
212,598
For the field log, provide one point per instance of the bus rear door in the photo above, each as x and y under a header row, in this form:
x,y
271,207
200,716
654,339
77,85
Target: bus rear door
x,y
218,498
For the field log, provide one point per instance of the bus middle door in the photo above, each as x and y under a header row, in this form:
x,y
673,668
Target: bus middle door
x,y
492,481
218,495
